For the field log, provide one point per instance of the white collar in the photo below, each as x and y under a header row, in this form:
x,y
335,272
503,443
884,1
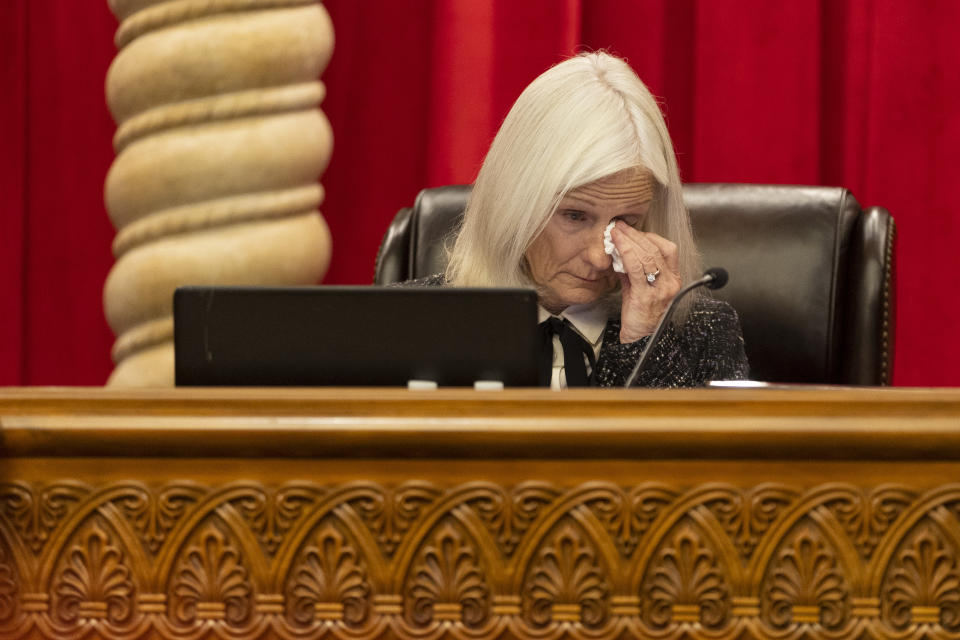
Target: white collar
x,y
588,319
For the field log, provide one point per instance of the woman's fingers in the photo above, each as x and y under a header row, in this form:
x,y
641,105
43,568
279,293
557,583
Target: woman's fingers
x,y
635,258
646,252
666,248
644,301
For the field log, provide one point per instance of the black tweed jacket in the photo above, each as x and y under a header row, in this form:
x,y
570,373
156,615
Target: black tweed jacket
x,y
707,346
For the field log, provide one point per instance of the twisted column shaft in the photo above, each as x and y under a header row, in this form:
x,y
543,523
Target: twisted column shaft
x,y
220,144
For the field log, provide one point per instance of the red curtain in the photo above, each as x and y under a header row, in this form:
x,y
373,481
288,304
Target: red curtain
x,y
859,93
55,151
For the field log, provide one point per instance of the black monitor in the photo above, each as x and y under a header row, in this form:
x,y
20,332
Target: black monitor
x,y
354,336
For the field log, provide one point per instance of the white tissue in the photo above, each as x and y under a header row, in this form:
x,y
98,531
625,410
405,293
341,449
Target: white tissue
x,y
611,248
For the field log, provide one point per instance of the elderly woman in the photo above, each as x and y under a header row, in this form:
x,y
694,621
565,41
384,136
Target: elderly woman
x,y
584,146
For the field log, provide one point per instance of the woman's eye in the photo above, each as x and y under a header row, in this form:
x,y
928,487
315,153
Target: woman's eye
x,y
574,216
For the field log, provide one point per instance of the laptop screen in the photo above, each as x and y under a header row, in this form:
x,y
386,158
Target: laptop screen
x,y
354,336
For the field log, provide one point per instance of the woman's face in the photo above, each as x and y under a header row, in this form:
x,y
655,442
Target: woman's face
x,y
567,260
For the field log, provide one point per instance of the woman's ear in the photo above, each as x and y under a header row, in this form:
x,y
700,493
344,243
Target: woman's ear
x,y
525,265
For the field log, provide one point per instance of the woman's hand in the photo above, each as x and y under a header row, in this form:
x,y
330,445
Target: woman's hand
x,y
644,303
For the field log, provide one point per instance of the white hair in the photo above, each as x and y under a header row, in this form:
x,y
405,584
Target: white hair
x,y
582,120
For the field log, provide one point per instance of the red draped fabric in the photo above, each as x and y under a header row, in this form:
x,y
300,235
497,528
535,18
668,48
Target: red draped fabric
x,y
55,148
859,93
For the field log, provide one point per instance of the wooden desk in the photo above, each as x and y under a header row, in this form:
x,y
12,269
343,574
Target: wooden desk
x,y
351,513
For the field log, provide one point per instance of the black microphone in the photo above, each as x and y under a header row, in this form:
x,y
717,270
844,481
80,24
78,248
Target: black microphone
x,y
712,279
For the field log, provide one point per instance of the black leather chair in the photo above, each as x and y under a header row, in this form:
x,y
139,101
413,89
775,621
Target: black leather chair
x,y
810,272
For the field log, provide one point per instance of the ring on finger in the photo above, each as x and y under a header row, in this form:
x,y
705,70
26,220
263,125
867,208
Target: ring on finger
x,y
652,277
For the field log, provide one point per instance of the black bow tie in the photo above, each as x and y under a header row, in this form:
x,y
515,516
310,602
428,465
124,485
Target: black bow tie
x,y
574,350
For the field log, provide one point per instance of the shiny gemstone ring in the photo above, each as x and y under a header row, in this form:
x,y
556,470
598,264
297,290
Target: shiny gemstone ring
x,y
652,277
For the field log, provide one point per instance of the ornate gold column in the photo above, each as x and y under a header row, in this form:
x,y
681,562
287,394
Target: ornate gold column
x,y
220,144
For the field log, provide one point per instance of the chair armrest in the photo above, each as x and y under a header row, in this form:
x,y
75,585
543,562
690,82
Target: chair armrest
x,y
868,343
393,256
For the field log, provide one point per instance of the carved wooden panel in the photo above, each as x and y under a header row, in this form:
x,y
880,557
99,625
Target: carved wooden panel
x,y
478,559
348,514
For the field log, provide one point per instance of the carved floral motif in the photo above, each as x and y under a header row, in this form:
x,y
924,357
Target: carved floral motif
x,y
389,512
66,569
509,513
36,513
805,583
867,516
923,584
627,514
746,515
8,588
446,582
95,583
272,513
327,573
210,581
566,582
154,514
686,583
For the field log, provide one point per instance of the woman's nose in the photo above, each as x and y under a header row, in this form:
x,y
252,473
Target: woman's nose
x,y
596,256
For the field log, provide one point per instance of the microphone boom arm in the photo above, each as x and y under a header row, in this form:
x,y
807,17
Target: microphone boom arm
x,y
713,279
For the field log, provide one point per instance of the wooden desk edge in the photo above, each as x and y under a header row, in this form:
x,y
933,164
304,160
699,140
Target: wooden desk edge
x,y
814,422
